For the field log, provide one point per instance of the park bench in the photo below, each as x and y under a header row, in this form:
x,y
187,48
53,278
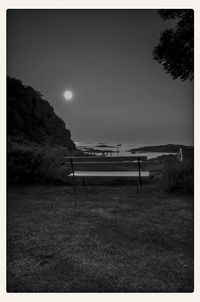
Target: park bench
x,y
107,167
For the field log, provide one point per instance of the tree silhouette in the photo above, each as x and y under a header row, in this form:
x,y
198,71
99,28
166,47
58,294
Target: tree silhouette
x,y
175,50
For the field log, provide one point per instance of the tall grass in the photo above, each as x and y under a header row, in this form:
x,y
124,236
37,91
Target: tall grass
x,y
179,177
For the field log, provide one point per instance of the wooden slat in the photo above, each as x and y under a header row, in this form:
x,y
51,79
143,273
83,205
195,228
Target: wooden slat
x,y
110,174
106,159
103,162
107,166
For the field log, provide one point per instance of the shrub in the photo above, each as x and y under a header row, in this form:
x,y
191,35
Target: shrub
x,y
52,169
34,164
22,166
179,177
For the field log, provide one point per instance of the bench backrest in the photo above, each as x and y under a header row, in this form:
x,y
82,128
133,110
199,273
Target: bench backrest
x,y
107,159
115,163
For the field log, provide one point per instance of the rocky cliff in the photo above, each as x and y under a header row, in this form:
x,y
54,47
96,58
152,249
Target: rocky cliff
x,y
32,118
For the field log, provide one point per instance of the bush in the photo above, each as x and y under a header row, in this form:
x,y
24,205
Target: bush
x,y
34,164
52,169
179,177
22,165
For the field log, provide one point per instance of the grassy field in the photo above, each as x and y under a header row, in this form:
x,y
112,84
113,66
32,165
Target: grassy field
x,y
115,240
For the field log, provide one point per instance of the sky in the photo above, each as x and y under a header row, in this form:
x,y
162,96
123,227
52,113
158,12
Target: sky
x,y
105,58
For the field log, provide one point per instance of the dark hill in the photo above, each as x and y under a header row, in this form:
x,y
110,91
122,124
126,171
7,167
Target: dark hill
x,y
32,118
188,151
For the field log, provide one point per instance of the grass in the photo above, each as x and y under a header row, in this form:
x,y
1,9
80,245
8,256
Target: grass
x,y
114,241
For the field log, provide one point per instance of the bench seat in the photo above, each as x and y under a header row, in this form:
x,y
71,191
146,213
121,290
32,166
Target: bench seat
x,y
110,173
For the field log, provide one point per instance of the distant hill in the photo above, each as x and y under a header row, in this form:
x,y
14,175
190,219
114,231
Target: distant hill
x,y
31,118
188,151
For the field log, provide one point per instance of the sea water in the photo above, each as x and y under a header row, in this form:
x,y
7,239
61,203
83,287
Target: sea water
x,y
124,149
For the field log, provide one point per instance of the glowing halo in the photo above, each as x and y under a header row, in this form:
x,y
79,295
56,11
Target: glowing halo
x,y
68,95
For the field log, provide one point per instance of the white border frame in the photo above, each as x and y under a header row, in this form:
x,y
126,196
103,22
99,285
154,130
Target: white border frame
x,y
97,4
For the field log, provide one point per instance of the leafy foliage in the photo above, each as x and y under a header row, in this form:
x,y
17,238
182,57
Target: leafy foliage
x,y
175,50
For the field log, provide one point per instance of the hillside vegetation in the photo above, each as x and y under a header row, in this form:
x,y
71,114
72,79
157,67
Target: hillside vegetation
x,y
37,139
32,118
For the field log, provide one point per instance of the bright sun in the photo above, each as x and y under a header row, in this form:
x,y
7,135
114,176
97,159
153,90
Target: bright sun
x,y
68,95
